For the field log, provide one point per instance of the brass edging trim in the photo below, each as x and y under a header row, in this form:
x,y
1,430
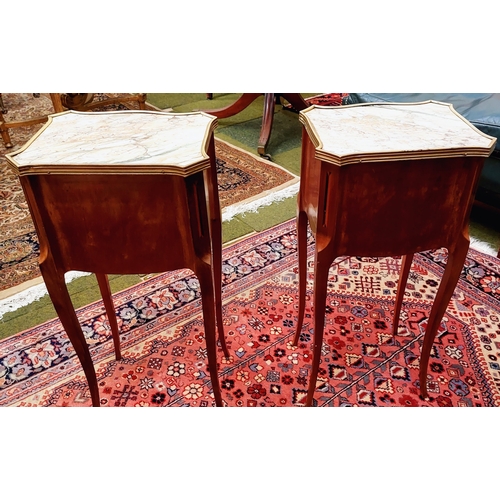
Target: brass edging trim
x,y
203,164
396,155
109,169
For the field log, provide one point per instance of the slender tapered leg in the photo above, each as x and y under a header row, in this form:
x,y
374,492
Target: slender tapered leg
x,y
4,131
216,241
217,271
205,277
403,279
102,280
267,123
302,258
217,276
321,268
454,266
58,292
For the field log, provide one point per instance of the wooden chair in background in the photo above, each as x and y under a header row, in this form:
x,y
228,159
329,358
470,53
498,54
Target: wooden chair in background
x,y
62,102
86,102
5,126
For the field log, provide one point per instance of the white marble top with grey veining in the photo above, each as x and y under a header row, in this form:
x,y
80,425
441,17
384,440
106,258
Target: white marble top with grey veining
x,y
402,130
119,138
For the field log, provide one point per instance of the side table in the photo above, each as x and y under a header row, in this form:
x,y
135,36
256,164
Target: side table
x,y
386,180
125,192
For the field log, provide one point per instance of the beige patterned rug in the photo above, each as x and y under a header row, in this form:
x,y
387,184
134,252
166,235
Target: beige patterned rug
x,y
242,177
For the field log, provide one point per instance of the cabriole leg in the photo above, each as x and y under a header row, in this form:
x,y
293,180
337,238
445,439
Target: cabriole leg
x,y
456,259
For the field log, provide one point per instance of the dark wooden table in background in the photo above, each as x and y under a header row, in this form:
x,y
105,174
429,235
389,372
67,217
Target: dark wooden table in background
x,y
270,100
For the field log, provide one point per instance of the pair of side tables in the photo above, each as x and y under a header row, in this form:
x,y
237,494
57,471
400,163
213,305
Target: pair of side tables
x,y
136,192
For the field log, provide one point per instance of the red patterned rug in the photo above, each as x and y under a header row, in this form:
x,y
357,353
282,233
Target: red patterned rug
x,y
363,364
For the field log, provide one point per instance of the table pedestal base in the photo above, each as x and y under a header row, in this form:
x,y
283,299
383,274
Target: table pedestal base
x,y
267,118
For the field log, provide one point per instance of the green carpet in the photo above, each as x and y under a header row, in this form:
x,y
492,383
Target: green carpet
x,y
242,130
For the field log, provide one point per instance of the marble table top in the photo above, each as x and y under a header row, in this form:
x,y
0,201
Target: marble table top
x,y
132,141
377,132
